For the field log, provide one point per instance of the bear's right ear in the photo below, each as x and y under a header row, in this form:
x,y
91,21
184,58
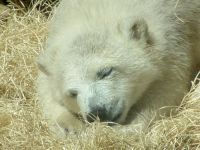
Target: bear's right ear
x,y
136,30
43,64
139,30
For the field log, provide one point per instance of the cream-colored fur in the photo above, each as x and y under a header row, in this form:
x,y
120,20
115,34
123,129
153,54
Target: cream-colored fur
x,y
128,57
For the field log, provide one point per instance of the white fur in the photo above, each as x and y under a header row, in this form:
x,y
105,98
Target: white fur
x,y
87,35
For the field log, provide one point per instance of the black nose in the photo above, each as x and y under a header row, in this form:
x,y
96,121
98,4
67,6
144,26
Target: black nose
x,y
98,112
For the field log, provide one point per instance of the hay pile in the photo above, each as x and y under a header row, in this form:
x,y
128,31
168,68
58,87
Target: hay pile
x,y
21,126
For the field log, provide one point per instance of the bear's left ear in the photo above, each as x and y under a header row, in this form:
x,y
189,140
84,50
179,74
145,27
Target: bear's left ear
x,y
139,31
43,64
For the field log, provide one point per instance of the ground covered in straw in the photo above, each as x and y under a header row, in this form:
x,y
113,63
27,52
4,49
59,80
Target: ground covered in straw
x,y
22,35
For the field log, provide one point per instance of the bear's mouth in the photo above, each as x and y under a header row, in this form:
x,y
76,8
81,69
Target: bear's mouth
x,y
116,118
111,122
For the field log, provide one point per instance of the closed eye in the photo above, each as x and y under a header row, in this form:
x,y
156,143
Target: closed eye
x,y
73,93
105,72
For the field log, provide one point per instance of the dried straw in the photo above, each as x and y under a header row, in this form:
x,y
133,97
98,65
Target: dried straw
x,y
22,35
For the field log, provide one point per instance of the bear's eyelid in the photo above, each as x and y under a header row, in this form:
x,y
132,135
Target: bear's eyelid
x,y
73,93
101,74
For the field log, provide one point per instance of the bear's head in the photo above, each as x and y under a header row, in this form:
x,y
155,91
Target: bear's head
x,y
102,73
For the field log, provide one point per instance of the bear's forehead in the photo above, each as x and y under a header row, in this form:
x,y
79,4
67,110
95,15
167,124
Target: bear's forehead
x,y
89,43
96,45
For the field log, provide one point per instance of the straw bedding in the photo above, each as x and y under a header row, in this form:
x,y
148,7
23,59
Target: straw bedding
x,y
22,35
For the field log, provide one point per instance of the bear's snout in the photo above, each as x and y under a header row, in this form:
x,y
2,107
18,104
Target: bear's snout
x,y
98,112
102,114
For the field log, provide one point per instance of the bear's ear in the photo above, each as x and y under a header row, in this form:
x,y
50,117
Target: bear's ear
x,y
42,64
139,31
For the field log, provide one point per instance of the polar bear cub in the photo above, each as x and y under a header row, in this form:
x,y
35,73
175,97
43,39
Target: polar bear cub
x,y
122,61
